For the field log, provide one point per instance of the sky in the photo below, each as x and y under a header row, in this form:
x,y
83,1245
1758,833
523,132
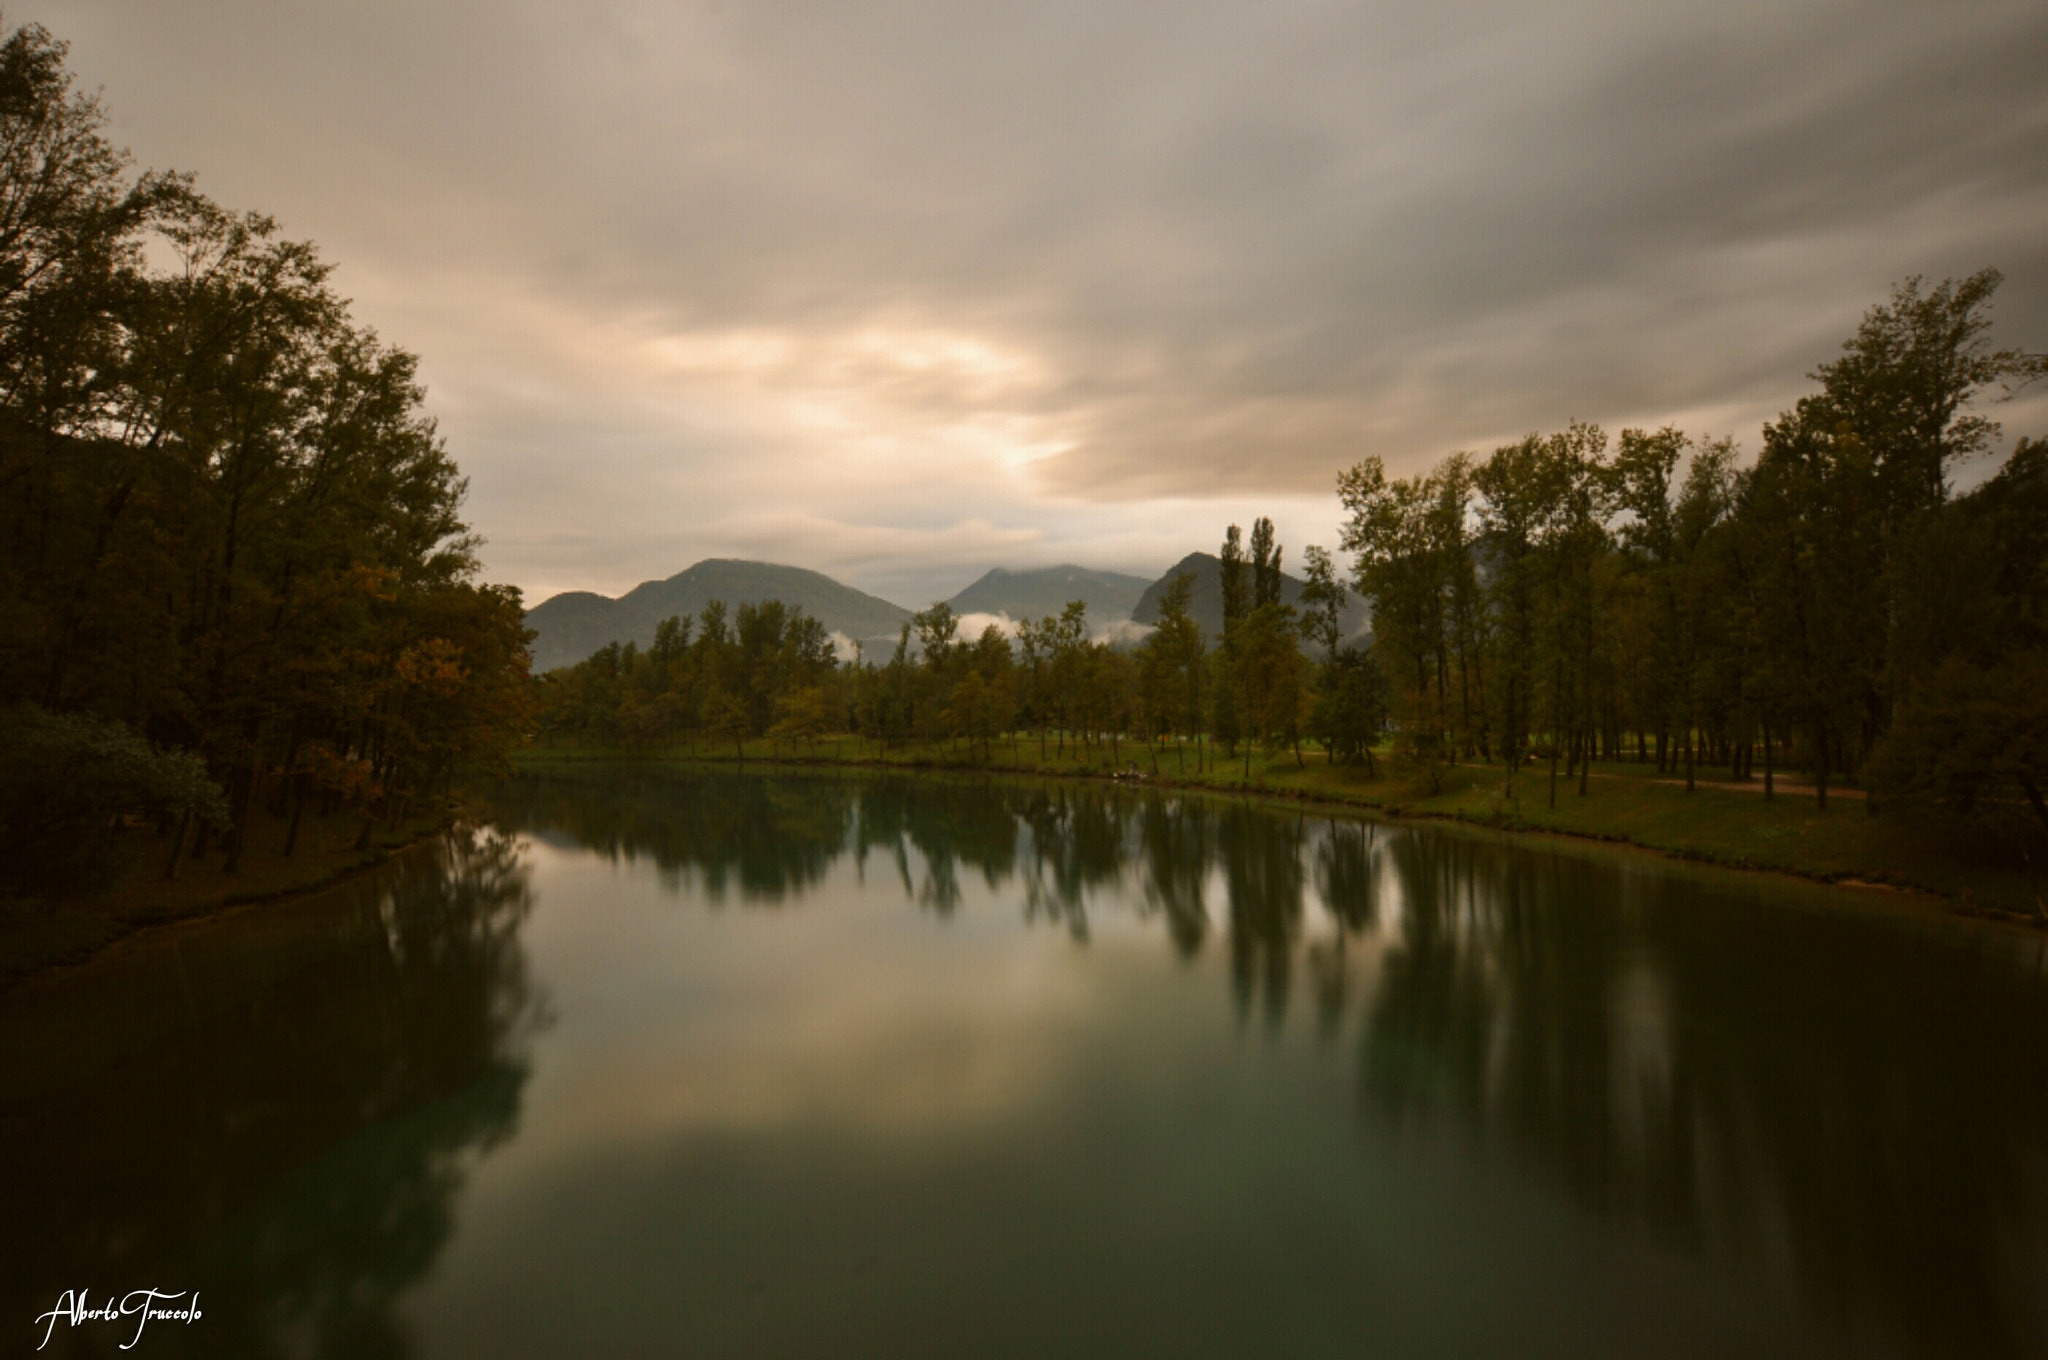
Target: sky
x,y
902,292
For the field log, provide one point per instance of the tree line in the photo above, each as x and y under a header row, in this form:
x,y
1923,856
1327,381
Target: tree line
x,y
1833,608
233,569
1279,676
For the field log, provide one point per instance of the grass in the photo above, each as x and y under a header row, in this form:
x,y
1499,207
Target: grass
x,y
1624,802
36,935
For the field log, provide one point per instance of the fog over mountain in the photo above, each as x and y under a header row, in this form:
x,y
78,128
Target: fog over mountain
x,y
1019,595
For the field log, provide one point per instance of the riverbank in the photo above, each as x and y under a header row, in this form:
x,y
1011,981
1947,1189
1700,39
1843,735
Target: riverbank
x,y
1735,827
36,936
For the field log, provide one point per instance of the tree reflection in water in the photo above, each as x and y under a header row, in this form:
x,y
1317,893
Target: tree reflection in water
x,y
280,1112
1850,1111
1860,1111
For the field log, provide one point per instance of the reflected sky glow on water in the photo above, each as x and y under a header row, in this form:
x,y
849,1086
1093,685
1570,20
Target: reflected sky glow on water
x,y
715,1064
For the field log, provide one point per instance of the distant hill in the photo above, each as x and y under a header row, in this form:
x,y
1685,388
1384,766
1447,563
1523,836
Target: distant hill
x,y
1111,595
572,625
1206,604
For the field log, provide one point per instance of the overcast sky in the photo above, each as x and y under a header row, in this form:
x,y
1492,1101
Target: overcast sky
x,y
904,291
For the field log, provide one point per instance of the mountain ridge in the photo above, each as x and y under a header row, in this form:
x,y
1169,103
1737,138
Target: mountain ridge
x,y
1035,592
575,623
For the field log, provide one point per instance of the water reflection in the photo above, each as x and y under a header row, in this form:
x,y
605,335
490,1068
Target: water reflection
x,y
1847,1113
1861,1111
278,1109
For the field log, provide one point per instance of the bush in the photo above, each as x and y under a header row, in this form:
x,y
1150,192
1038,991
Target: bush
x,y
67,779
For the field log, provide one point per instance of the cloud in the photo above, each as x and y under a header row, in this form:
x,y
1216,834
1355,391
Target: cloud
x,y
903,293
1124,632
974,625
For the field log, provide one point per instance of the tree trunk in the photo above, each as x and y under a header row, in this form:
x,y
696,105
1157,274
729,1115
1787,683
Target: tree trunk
x,y
238,836
177,848
2035,801
291,835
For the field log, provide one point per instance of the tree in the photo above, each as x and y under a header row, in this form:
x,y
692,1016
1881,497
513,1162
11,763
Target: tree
x,y
1351,707
1908,378
1322,602
1516,501
1348,705
1232,574
800,715
938,634
1642,480
1265,564
725,715
227,524
1035,643
1971,738
984,698
1814,514
1170,669
1066,641
65,778
1415,566
1269,672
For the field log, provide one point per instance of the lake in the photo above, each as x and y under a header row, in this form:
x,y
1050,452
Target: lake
x,y
664,1062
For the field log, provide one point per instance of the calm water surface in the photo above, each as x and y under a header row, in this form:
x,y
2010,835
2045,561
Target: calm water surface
x,y
715,1065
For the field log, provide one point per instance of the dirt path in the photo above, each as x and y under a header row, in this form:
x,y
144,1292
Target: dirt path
x,y
1784,785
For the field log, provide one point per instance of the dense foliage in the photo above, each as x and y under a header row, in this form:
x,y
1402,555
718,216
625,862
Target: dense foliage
x,y
226,526
1834,605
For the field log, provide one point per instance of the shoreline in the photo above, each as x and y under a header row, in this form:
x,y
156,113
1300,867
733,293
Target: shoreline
x,y
129,931
1865,891
1867,886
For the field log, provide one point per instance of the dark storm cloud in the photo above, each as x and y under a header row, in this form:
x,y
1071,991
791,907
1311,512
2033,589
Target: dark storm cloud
x,y
943,269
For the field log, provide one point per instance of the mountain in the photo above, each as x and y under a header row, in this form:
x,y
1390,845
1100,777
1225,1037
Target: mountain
x,y
1111,595
572,625
1206,603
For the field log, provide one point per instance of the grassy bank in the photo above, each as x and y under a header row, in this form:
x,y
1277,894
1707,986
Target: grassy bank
x,y
1624,802
37,935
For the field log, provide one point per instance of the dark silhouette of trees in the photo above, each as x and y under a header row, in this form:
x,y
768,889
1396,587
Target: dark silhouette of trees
x,y
227,526
1807,608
